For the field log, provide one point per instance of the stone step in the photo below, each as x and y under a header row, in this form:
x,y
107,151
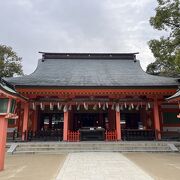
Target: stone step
x,y
81,147
74,151
88,144
65,147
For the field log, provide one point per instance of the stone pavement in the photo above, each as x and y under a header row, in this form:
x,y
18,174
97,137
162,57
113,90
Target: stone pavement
x,y
100,166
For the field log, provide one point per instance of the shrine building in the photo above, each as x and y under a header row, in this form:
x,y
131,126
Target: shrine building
x,y
93,96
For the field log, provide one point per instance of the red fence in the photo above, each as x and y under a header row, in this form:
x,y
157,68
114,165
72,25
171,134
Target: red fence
x,y
73,136
111,135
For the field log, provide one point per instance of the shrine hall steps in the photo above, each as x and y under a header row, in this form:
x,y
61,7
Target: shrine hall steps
x,y
62,147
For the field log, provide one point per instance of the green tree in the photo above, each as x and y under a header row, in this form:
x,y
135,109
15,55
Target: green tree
x,y
166,50
10,63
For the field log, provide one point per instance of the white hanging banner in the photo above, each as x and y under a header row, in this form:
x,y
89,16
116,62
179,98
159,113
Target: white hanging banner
x,y
65,109
85,106
104,107
34,106
125,105
132,105
137,107
117,108
78,107
51,106
41,106
59,106
112,108
95,107
121,108
70,107
107,105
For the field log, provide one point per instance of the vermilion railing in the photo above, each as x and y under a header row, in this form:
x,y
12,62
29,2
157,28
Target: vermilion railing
x,y
73,136
111,135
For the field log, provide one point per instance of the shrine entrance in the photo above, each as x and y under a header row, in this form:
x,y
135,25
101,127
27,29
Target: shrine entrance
x,y
90,125
131,121
51,121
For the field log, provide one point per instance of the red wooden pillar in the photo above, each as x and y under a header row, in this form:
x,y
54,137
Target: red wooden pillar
x,y
3,135
65,131
25,121
118,125
156,120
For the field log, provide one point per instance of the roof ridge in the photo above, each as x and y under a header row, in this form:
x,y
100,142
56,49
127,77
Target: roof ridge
x,y
124,56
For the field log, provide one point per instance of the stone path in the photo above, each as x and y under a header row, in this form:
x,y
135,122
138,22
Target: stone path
x,y
100,166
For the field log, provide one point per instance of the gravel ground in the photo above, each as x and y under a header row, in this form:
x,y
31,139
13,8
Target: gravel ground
x,y
32,167
161,166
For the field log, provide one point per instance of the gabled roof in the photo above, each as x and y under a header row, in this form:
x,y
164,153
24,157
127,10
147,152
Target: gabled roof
x,y
175,97
8,90
90,70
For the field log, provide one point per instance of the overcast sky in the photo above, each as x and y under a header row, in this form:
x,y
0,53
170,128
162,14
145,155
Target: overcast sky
x,y
30,26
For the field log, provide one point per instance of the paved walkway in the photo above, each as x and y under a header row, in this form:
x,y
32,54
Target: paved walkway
x,y
100,166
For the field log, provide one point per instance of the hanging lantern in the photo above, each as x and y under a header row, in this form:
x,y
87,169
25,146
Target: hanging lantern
x,y
125,105
117,108
65,109
112,108
41,106
59,106
95,107
104,107
99,105
51,106
107,105
33,106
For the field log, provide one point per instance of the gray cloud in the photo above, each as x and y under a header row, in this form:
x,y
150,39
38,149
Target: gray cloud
x,y
30,26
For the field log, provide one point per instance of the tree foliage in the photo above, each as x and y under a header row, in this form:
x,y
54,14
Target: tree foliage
x,y
10,63
166,50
